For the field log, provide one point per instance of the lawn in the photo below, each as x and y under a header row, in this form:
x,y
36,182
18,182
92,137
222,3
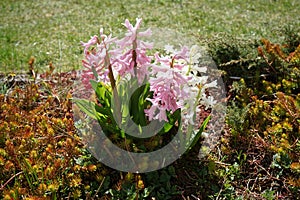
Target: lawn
x,y
51,31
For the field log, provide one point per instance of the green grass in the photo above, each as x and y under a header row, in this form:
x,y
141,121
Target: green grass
x,y
51,31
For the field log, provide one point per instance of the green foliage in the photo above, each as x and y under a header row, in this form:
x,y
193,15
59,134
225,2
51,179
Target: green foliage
x,y
268,194
114,111
156,184
3,88
237,57
237,119
160,183
199,133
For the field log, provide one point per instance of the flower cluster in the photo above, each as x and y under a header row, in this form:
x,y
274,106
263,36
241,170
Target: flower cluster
x,y
127,56
166,83
172,85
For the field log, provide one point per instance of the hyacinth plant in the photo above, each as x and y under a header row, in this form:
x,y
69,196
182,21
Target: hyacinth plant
x,y
135,88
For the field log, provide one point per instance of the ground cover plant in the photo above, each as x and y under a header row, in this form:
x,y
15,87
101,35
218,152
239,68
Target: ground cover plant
x,y
263,116
258,155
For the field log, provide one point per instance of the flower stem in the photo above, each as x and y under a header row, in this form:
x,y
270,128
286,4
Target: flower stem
x,y
134,56
115,94
134,60
113,86
111,77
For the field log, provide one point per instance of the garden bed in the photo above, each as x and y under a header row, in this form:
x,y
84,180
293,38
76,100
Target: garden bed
x,y
257,157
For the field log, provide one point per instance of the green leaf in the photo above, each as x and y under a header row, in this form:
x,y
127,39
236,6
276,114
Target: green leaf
x,y
106,120
94,84
105,111
167,127
95,72
122,134
86,106
198,135
173,118
141,105
103,94
137,104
